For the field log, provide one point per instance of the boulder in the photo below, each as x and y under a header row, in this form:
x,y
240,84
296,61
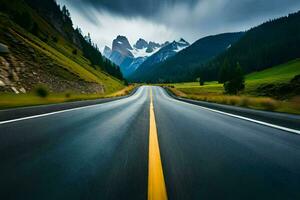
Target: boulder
x,y
15,90
3,49
2,84
15,76
4,64
22,90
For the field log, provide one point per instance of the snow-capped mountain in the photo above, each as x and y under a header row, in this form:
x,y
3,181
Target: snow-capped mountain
x,y
161,55
130,58
168,51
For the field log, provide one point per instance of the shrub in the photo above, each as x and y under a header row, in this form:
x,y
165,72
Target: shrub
x,y
223,100
233,101
45,38
245,102
269,104
68,95
35,29
54,39
74,52
125,82
295,102
202,82
42,91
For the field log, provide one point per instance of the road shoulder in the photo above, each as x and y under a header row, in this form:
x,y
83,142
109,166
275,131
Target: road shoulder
x,y
15,113
279,119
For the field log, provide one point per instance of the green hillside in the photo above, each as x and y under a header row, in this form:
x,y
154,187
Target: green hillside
x,y
267,45
278,74
50,54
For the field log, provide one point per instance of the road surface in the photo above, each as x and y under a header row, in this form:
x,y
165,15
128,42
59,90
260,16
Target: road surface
x,y
102,152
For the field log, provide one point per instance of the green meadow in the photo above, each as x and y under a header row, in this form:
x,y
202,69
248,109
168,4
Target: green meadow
x,y
214,92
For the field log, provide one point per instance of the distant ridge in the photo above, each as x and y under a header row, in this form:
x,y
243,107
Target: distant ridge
x,y
182,66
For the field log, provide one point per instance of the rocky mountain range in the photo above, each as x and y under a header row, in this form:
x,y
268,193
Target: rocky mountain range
x,y
160,56
130,58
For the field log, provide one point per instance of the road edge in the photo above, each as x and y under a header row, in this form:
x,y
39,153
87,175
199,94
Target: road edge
x,y
283,121
26,112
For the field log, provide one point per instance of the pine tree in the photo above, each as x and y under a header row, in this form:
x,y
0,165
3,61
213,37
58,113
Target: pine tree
x,y
224,74
237,82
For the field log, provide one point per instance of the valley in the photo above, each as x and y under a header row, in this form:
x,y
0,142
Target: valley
x,y
58,58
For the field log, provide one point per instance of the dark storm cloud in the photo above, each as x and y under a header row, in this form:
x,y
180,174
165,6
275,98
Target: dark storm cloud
x,y
243,9
234,9
144,8
171,19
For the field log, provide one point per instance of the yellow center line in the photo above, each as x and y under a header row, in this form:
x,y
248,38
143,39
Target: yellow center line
x,y
156,182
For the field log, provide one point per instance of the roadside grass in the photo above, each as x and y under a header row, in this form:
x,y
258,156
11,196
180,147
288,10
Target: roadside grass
x,y
195,88
260,103
9,100
214,92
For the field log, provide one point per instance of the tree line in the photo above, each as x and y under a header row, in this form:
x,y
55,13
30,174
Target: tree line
x,y
272,43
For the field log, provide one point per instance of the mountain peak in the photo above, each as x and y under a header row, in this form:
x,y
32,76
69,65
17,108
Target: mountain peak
x,y
183,41
122,45
128,57
154,44
178,45
121,42
141,44
121,37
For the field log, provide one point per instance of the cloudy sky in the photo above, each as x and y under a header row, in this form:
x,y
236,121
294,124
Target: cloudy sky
x,y
162,20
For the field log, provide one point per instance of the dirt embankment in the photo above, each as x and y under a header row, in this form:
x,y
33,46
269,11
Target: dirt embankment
x,y
24,67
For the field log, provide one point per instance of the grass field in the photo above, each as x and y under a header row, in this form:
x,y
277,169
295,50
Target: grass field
x,y
8,100
214,92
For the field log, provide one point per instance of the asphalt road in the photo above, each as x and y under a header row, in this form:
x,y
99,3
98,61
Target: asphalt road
x,y
101,152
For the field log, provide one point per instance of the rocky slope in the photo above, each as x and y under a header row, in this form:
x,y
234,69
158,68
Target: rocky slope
x,y
23,68
128,57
